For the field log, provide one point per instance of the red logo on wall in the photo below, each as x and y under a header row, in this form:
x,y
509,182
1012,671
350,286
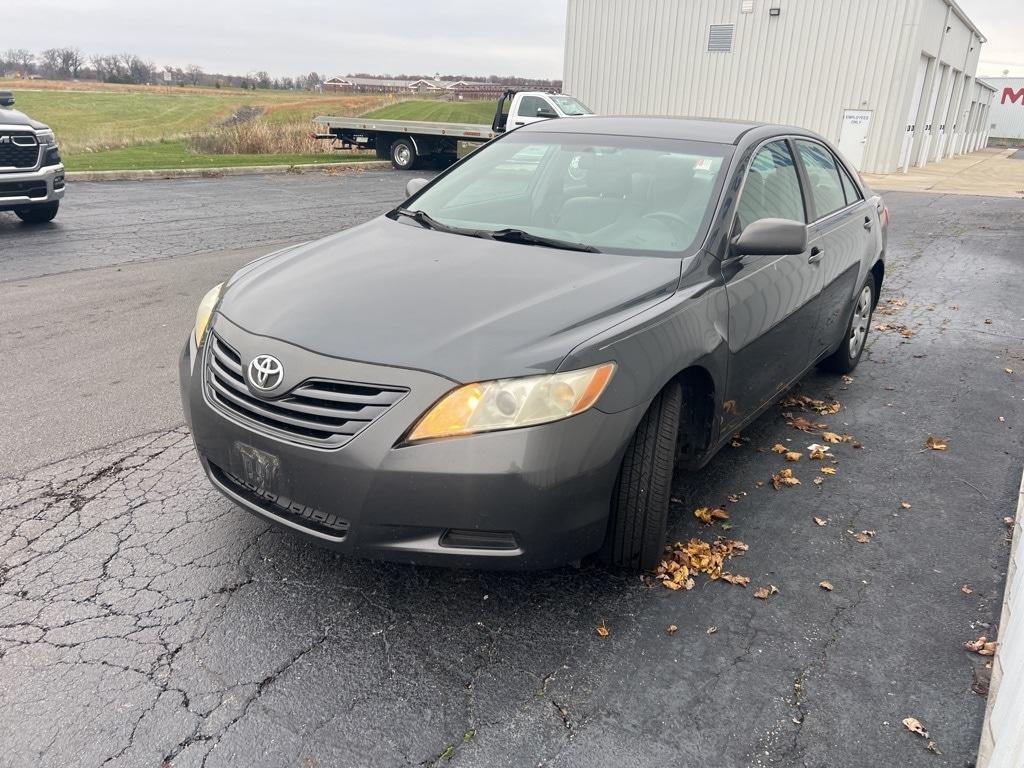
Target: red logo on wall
x,y
1013,96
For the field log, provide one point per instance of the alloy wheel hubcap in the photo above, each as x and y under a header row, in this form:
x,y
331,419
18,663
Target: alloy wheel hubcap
x,y
402,155
860,323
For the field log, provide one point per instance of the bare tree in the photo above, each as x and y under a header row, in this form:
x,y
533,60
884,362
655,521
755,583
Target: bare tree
x,y
71,61
51,62
195,73
263,79
19,60
313,80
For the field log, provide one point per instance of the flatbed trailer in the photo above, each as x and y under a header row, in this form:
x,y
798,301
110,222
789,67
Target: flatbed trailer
x,y
407,142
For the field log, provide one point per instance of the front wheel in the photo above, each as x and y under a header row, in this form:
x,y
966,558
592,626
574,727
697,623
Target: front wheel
x,y
403,155
38,214
640,501
845,359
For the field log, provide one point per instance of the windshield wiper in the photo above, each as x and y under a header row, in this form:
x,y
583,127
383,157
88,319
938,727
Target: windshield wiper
x,y
510,235
427,221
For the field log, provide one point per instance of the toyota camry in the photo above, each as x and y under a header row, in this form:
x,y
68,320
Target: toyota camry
x,y
507,369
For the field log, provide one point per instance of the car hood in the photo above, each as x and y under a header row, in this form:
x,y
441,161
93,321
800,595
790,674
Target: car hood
x,y
14,117
396,294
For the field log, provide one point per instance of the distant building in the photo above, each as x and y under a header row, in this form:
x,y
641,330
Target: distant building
x,y
1006,119
456,89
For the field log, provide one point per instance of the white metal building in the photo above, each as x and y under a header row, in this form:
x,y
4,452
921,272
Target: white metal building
x,y
891,82
1006,120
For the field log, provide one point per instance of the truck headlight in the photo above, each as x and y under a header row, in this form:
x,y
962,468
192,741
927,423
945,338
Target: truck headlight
x,y
205,312
511,403
46,138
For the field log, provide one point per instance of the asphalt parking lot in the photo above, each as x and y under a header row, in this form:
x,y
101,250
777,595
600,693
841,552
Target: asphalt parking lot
x,y
146,621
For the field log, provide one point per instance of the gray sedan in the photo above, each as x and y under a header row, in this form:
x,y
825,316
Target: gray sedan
x,y
507,369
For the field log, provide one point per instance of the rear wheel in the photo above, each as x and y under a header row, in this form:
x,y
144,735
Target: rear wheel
x,y
403,155
845,359
639,512
38,214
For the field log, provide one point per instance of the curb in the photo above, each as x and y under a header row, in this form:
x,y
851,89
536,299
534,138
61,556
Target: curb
x,y
1002,732
198,173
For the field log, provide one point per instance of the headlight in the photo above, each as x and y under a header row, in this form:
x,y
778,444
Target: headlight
x,y
205,311
509,403
46,138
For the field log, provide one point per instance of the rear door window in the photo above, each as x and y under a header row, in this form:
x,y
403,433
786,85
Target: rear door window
x,y
849,188
823,174
772,187
530,104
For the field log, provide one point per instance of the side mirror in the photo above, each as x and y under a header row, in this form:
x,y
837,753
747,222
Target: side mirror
x,y
771,237
414,186
6,99
546,112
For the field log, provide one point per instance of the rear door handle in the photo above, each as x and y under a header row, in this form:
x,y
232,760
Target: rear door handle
x,y
520,122
816,255
868,223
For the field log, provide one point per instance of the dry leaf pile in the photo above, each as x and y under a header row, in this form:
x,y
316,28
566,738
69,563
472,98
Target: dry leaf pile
x,y
684,561
784,477
812,404
982,646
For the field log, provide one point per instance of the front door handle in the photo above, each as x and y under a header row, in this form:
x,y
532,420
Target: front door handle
x,y
816,255
520,122
868,223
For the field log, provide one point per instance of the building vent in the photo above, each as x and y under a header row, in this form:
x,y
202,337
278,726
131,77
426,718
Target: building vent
x,y
747,6
720,37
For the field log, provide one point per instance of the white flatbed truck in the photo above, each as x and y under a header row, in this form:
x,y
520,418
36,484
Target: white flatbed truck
x,y
406,143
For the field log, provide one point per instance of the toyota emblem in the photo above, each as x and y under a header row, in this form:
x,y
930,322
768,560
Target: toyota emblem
x,y
265,372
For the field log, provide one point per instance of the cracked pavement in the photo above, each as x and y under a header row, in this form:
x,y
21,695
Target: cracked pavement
x,y
146,621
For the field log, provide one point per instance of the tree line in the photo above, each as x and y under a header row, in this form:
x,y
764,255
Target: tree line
x,y
71,64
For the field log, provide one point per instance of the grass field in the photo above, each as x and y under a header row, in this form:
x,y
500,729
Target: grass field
x,y
112,127
438,111
164,155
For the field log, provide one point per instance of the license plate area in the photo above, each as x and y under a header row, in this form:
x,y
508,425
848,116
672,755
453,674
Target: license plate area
x,y
261,471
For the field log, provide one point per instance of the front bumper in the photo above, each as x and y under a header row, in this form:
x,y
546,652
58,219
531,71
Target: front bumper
x,y
527,498
22,188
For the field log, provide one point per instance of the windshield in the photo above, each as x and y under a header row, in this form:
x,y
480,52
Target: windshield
x,y
606,193
571,106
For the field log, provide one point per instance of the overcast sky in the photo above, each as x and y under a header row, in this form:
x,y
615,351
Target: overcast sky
x,y
522,37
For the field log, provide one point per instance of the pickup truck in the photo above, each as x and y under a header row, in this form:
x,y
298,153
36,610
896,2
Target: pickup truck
x,y
31,172
408,143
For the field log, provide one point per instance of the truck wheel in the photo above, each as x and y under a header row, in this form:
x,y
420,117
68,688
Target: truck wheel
x,y
403,155
38,214
639,513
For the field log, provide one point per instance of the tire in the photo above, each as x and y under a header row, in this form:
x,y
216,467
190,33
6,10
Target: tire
x,y
403,155
38,214
640,500
845,359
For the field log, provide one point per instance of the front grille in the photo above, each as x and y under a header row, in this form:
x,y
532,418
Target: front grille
x,y
321,413
14,155
22,189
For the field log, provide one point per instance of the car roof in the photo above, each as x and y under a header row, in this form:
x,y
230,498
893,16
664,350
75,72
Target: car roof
x,y
689,128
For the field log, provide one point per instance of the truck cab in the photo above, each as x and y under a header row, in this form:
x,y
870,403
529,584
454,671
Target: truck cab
x,y
31,171
517,108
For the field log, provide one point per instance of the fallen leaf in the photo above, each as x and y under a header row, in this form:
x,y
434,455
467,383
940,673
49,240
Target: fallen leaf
x,y
935,443
1008,370
864,536
905,504
914,726
847,379
793,455
733,578
779,448
988,322
759,483
712,630
1008,521
1001,419
820,522
784,477
827,470
819,480
729,406
671,629
602,630
858,445
708,515
818,451
696,556
763,593
967,589
826,585
982,646
932,748
669,584
831,437
805,425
